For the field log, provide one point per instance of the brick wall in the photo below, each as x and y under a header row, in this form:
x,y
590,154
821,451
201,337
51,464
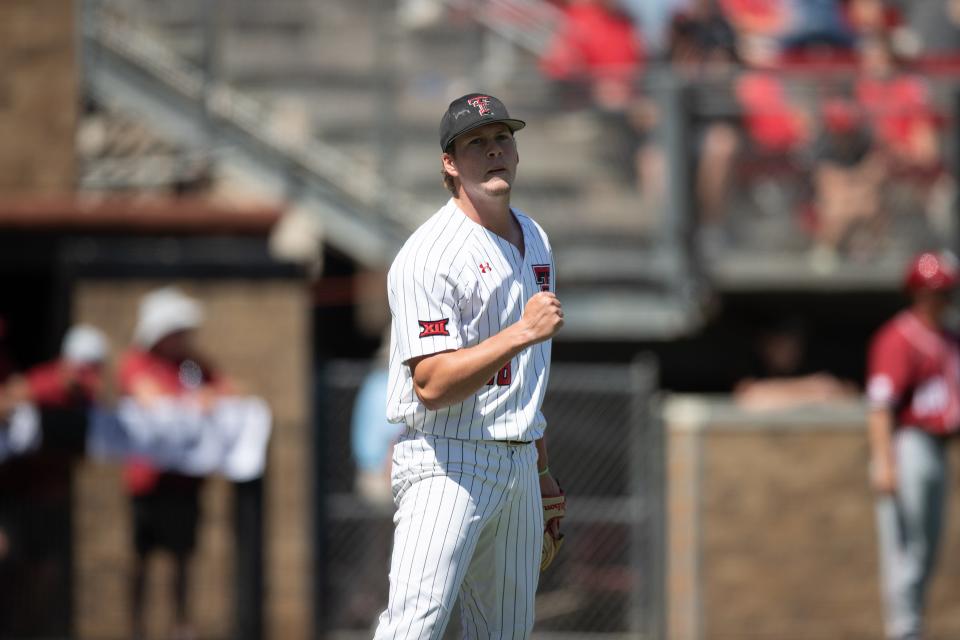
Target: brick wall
x,y
771,528
38,96
258,333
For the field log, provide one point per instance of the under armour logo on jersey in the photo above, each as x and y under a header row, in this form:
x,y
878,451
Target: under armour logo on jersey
x,y
541,272
482,103
485,266
433,328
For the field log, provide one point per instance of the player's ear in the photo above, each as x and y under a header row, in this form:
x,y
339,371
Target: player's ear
x,y
449,163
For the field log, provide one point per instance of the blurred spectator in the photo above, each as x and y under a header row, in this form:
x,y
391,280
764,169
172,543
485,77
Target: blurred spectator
x,y
703,49
596,52
35,488
873,17
654,18
776,125
72,381
594,62
913,388
817,23
899,107
848,179
768,18
165,364
782,376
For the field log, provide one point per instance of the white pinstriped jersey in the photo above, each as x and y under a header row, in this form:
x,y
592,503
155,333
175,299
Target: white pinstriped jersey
x,y
452,285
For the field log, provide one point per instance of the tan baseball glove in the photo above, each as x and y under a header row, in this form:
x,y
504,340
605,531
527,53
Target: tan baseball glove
x,y
553,507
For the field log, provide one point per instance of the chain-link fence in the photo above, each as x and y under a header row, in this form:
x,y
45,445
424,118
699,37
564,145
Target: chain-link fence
x,y
606,448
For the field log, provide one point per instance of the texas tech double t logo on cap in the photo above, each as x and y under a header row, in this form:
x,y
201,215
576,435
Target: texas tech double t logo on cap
x,y
471,111
481,104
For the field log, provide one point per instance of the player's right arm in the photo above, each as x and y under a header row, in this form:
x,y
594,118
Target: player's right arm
x,y
450,377
888,378
883,469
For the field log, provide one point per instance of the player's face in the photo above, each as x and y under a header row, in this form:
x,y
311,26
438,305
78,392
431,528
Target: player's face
x,y
484,159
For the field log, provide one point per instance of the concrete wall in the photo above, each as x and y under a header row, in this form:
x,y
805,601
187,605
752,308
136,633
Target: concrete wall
x,y
38,96
258,333
771,527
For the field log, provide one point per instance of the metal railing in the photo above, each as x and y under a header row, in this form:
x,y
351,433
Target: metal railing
x,y
125,65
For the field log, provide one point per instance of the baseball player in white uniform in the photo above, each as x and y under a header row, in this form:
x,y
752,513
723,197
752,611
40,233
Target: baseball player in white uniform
x,y
474,310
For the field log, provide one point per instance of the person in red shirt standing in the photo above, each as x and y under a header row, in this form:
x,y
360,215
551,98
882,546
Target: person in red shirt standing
x,y
72,381
165,364
913,388
35,487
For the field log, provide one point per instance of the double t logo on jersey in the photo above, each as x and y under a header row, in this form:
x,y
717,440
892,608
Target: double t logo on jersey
x,y
542,274
434,328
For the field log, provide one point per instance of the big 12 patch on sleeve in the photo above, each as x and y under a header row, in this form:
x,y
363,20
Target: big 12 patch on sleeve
x,y
430,328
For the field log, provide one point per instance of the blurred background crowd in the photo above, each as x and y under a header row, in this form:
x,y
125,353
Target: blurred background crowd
x,y
732,188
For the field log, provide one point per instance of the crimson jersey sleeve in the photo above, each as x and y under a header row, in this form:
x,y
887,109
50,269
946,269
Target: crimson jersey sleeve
x,y
888,368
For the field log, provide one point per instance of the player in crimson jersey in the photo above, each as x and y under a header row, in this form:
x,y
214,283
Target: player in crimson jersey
x,y
914,393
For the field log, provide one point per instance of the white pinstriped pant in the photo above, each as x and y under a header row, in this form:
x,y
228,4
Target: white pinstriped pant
x,y
469,523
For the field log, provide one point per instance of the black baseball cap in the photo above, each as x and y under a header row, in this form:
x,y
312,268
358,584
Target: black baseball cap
x,y
471,111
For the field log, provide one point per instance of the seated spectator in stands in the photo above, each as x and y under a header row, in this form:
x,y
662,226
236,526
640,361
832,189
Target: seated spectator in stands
x,y
782,376
596,52
792,31
165,363
594,62
899,107
767,18
817,22
654,18
848,179
873,17
776,122
703,50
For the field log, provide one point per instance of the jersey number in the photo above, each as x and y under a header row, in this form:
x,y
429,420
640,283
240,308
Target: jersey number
x,y
503,378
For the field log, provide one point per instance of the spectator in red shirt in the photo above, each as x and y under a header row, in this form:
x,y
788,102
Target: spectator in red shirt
x,y
596,51
872,16
72,381
913,387
35,487
164,363
848,177
899,107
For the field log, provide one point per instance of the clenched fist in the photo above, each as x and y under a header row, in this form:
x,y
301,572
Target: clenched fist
x,y
542,317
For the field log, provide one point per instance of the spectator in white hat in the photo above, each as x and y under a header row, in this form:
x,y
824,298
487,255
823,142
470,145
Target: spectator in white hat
x,y
164,362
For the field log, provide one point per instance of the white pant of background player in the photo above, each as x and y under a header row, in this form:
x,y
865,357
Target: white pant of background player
x,y
909,526
469,524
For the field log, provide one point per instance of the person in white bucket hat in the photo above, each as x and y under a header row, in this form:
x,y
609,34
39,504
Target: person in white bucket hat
x,y
164,362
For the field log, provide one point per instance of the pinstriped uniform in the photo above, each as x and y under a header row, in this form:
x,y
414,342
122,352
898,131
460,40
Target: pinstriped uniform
x,y
469,521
